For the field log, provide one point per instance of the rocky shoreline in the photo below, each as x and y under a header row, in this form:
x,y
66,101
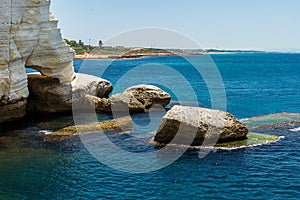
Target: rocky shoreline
x,y
182,125
119,53
33,40
132,55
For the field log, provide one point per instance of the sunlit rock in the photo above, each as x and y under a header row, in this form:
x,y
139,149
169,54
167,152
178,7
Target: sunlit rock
x,y
29,37
192,125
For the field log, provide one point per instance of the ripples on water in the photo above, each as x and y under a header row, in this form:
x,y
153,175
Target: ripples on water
x,y
38,170
255,84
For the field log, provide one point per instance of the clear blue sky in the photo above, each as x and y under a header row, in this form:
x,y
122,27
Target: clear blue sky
x,y
226,24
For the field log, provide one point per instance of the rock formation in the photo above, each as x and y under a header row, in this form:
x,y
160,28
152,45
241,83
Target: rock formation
x,y
149,95
135,99
13,111
125,103
100,104
29,37
191,125
123,124
47,95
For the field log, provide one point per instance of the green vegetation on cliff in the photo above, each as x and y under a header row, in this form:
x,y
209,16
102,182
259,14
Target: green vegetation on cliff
x,y
79,47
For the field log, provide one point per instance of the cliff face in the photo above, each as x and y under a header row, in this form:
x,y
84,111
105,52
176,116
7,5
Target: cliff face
x,y
29,37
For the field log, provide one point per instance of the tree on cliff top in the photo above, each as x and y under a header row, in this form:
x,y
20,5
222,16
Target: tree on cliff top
x,y
79,47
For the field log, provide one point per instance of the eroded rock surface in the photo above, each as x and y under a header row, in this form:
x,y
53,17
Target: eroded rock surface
x,y
29,37
191,125
135,99
48,95
123,124
13,111
149,95
123,102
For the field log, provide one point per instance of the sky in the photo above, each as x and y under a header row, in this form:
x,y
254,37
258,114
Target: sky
x,y
222,24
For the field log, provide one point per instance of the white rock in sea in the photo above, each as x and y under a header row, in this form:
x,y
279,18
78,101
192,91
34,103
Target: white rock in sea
x,y
29,37
192,125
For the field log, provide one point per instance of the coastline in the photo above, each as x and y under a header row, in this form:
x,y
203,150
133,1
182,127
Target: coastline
x,y
116,56
131,56
136,55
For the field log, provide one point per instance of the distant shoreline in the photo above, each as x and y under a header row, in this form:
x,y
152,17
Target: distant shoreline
x,y
142,55
135,53
133,56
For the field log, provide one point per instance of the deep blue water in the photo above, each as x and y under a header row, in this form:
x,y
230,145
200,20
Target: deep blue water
x,y
255,84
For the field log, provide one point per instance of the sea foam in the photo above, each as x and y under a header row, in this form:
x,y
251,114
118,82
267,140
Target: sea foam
x,y
295,129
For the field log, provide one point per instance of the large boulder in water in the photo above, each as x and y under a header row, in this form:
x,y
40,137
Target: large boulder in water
x,y
191,125
149,95
48,95
135,99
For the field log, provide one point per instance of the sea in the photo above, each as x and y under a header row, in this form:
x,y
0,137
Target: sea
x,y
257,88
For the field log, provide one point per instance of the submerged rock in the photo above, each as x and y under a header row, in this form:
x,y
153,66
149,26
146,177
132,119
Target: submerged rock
x,y
271,120
253,139
191,125
48,95
121,124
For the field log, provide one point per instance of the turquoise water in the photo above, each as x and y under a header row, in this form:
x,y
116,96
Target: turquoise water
x,y
256,84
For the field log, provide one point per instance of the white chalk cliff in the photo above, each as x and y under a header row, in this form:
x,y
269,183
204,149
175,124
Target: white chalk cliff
x,y
29,37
